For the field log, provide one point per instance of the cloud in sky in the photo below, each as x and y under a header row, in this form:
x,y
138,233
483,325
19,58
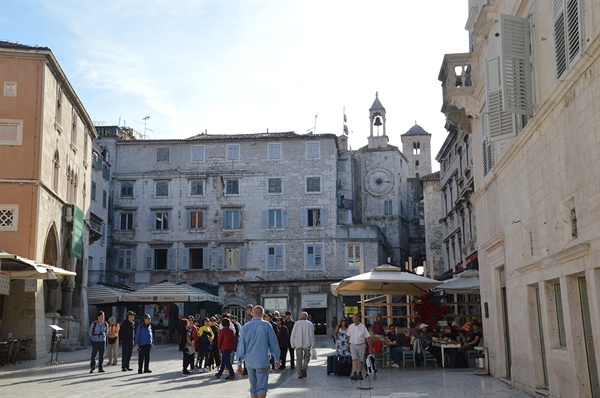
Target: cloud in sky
x,y
248,66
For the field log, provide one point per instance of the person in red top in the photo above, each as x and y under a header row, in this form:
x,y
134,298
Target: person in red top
x,y
226,345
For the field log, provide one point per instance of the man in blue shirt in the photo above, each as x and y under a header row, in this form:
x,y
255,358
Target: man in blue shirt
x,y
144,342
257,341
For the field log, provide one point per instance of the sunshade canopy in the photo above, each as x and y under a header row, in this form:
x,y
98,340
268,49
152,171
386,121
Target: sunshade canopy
x,y
384,279
170,292
100,294
465,283
24,268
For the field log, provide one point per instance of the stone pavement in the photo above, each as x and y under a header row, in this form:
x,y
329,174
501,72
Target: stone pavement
x,y
72,379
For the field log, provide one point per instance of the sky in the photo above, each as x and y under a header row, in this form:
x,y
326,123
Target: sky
x,y
244,67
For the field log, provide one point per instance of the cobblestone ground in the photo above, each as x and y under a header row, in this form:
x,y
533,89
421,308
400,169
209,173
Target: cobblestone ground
x,y
72,379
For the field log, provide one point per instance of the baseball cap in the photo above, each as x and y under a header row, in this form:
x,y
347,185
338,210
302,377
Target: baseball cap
x,y
130,313
423,325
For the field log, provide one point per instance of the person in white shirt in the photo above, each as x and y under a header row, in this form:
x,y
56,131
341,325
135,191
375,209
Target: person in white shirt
x,y
358,337
302,340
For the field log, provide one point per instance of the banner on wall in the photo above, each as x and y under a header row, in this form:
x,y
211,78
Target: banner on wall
x,y
77,236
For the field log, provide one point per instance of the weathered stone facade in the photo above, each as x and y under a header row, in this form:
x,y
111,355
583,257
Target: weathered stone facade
x,y
431,219
534,124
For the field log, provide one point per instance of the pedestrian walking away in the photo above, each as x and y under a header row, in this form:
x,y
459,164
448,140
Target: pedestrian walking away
x,y
127,339
144,342
303,340
257,343
98,331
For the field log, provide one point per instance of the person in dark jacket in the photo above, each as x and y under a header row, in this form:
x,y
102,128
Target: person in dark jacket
x,y
126,338
226,344
289,324
144,342
215,358
283,337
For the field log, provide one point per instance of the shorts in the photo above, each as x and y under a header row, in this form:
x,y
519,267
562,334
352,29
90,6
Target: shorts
x,y
259,380
358,352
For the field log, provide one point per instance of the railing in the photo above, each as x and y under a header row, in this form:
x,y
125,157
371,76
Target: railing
x,y
109,277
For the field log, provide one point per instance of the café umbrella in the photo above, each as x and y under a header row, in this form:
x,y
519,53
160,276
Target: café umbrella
x,y
465,283
384,279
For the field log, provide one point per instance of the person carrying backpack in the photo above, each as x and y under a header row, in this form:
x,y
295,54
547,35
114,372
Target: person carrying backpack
x,y
98,331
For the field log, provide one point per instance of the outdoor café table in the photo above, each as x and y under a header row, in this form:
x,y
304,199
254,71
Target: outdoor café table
x,y
445,345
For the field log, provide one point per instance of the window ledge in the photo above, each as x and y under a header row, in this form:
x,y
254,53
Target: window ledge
x,y
542,391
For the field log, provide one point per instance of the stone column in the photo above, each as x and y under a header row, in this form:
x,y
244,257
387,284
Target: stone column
x,y
67,297
52,299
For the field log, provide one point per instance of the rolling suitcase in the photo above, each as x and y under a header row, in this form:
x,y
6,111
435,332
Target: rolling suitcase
x,y
344,366
331,364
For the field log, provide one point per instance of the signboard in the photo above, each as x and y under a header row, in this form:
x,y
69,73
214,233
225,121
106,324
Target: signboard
x,y
4,283
350,310
77,236
318,300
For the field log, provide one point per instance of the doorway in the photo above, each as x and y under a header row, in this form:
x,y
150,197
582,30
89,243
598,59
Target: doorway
x,y
592,365
505,322
319,318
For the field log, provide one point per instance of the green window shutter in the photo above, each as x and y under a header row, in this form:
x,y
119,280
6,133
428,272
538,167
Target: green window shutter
x,y
516,65
500,123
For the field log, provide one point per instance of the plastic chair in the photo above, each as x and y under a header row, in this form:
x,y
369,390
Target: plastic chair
x,y
427,356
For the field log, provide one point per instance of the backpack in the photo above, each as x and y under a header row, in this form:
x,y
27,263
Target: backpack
x,y
370,366
94,328
204,341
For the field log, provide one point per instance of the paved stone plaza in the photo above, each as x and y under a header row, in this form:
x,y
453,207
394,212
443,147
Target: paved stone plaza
x,y
72,379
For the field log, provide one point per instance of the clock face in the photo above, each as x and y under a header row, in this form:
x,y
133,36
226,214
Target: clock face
x,y
379,182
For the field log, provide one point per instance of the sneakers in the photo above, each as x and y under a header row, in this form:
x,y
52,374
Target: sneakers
x,y
100,370
354,376
186,372
360,376
395,365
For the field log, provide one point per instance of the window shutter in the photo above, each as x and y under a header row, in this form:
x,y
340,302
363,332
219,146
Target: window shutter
x,y
285,216
149,259
279,253
223,219
270,259
303,217
152,220
220,257
185,258
128,259
500,123
206,258
573,30
560,48
324,216
188,216
171,259
242,257
309,259
265,218
117,221
516,65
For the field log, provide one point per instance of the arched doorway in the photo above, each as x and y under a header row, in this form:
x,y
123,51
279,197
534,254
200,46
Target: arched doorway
x,y
51,288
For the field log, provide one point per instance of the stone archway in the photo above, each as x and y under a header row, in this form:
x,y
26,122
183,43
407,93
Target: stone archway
x,y
51,287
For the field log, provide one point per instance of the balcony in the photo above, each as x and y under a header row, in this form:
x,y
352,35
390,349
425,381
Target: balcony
x,y
108,277
459,103
95,225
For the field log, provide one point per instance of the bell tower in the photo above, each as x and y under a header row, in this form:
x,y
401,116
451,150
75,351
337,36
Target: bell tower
x,y
377,120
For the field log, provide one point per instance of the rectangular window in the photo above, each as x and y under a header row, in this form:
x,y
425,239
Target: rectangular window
x,y
354,253
161,188
233,152
231,257
125,259
275,185
93,195
232,219
161,257
197,153
160,220
104,199
313,184
9,217
125,220
59,108
313,258
74,127
195,219
196,187
313,150
275,257
275,218
232,187
199,258
105,171
162,154
274,151
560,320
387,208
127,189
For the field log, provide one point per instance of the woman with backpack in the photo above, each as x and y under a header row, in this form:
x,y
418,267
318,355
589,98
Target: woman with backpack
x,y
204,345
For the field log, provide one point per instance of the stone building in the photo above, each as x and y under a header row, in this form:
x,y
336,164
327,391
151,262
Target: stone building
x,y
434,249
45,173
99,204
528,94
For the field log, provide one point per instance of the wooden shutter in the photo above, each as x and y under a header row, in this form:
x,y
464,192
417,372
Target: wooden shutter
x,y
206,258
171,258
573,29
324,216
149,259
117,221
242,257
220,257
188,219
185,259
303,217
152,220
500,123
285,215
560,47
516,65
265,218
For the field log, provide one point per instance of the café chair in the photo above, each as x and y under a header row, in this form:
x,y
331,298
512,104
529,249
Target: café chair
x,y
382,357
410,355
427,356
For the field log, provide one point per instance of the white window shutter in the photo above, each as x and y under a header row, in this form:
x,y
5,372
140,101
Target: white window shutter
x,y
185,258
242,257
149,259
324,216
171,259
500,123
303,217
206,258
220,257
516,65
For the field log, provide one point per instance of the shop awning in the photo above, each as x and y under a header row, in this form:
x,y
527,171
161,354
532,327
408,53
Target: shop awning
x,y
24,268
170,292
101,294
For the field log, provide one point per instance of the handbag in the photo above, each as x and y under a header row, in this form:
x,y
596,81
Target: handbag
x,y
313,353
190,350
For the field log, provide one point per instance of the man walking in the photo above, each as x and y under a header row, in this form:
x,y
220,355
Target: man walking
x,y
288,322
257,341
302,340
127,336
358,336
144,342
98,330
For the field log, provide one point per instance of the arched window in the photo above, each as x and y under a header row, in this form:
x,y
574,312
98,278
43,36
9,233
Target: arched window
x,y
56,162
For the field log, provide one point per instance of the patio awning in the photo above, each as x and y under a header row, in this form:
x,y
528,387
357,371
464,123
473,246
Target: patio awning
x,y
24,268
466,282
170,292
101,294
